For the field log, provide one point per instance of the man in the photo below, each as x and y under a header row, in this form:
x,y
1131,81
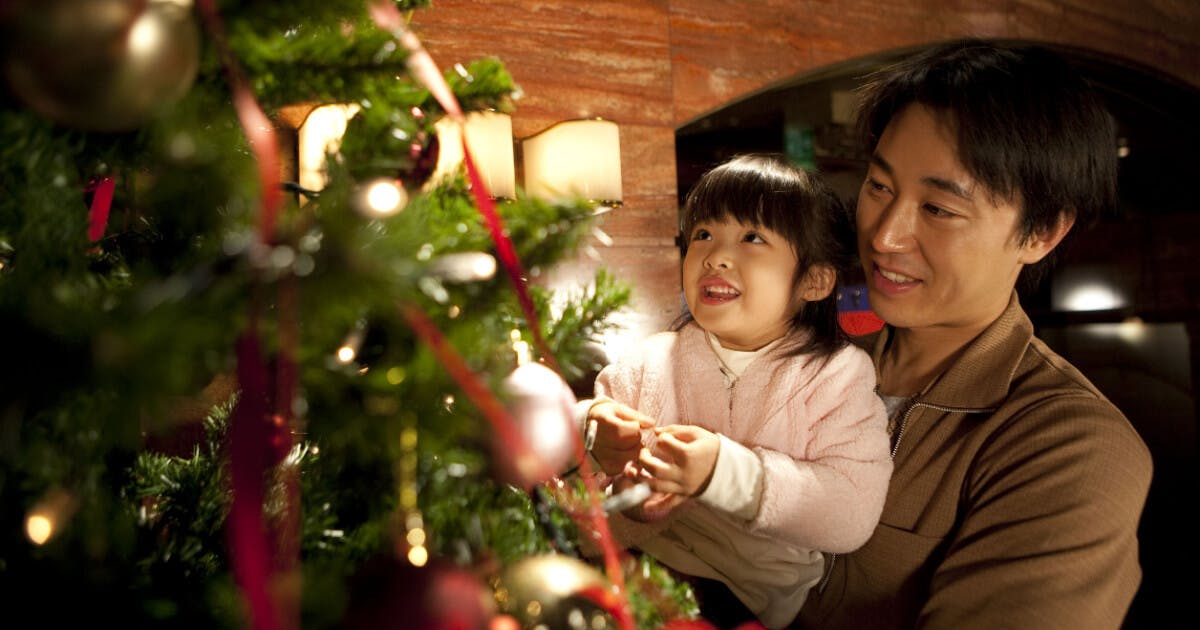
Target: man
x,y
1017,487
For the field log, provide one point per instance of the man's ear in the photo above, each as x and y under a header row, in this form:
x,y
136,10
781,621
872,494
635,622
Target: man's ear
x,y
1041,243
817,283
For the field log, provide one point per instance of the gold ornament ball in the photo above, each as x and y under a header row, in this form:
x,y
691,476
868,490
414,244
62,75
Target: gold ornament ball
x,y
99,65
544,592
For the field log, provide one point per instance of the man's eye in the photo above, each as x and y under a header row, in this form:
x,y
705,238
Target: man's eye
x,y
937,211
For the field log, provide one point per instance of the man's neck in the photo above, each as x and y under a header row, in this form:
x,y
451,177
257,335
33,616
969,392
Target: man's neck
x,y
915,357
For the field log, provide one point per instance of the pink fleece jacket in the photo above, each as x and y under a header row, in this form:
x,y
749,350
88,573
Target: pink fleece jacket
x,y
820,437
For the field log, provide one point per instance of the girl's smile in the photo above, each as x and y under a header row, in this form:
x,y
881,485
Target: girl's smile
x,y
715,290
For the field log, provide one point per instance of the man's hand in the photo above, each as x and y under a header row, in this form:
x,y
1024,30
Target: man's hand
x,y
618,434
682,461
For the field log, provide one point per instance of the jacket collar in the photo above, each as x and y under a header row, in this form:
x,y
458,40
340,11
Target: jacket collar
x,y
981,376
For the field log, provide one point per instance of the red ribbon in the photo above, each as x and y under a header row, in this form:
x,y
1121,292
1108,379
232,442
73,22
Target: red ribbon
x,y
102,196
495,412
387,17
249,437
490,406
611,603
259,438
506,251
420,63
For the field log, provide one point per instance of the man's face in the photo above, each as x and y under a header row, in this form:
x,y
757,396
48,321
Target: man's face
x,y
938,251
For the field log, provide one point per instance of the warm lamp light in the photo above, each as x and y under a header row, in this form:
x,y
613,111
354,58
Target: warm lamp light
x,y
49,516
575,158
320,134
489,136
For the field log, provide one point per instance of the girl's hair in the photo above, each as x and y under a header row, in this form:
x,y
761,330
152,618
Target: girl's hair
x,y
765,190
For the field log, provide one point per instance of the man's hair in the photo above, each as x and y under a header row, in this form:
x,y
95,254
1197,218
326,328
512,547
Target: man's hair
x,y
1027,125
765,190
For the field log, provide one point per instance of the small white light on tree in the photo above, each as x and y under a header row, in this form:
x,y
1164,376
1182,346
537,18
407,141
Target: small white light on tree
x,y
382,198
39,528
418,556
49,515
347,352
464,267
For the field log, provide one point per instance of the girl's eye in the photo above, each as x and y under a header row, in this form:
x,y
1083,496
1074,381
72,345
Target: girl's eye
x,y
701,235
753,237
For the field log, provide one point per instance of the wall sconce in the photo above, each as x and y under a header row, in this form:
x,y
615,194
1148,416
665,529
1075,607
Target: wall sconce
x,y
489,135
575,158
320,133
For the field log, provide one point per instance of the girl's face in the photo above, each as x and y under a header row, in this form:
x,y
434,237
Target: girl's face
x,y
738,282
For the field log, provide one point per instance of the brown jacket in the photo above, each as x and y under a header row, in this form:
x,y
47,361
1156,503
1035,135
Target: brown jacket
x,y
1014,502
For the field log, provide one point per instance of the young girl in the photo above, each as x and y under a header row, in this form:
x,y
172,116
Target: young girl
x,y
754,423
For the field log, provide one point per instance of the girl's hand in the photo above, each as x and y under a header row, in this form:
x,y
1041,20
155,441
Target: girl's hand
x,y
683,460
655,508
618,434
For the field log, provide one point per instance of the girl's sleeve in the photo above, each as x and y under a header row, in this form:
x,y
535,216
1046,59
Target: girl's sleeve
x,y
622,381
831,497
619,381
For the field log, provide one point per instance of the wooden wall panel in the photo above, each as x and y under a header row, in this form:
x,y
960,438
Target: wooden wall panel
x,y
653,65
572,59
723,49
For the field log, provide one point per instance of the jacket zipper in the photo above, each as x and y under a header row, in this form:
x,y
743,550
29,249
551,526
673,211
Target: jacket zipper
x,y
895,449
904,418
731,381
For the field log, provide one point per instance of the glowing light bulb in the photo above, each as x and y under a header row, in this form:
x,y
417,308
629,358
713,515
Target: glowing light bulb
x,y
464,267
39,528
418,556
521,348
383,198
348,351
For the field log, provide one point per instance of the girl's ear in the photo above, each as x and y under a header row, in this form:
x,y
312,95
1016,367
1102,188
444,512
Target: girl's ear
x,y
817,283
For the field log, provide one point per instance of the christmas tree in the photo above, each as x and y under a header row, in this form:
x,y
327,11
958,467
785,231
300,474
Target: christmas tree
x,y
234,401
